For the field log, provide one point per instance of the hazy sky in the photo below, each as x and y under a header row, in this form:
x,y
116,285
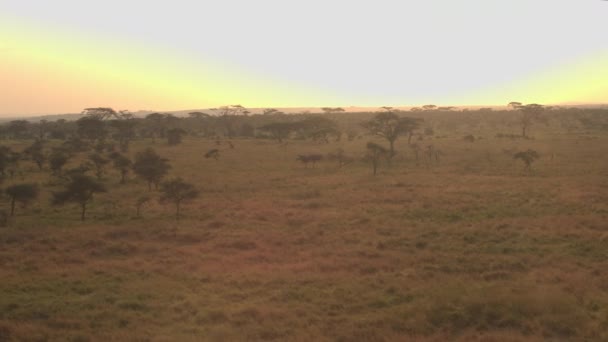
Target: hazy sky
x,y
62,56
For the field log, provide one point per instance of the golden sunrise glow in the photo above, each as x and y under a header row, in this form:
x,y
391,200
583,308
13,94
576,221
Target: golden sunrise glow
x,y
47,74
43,72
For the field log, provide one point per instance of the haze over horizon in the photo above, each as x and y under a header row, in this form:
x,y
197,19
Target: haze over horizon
x,y
63,56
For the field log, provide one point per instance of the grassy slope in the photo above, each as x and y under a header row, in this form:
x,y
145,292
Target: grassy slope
x,y
470,249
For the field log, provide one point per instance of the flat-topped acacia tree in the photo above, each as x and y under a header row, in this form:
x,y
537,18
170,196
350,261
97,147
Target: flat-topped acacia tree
x,y
391,126
177,191
21,193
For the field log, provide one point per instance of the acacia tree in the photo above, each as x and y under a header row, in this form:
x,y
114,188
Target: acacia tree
x,y
177,191
157,123
123,164
375,153
331,110
80,190
22,193
91,128
229,117
174,136
278,130
530,114
125,129
57,160
151,167
101,113
390,126
318,128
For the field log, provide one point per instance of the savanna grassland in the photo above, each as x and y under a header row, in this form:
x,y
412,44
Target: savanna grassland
x,y
470,247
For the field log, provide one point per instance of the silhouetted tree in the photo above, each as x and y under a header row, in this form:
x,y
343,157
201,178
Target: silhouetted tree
x,y
22,193
125,130
514,105
330,110
157,122
80,190
229,117
174,136
177,191
278,130
530,114
318,128
91,128
390,126
100,113
272,111
151,167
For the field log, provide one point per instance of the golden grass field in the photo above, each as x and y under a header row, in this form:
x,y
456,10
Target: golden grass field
x,y
472,248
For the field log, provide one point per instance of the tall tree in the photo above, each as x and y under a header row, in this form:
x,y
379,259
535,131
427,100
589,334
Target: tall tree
x,y
390,126
530,114
123,164
22,193
91,128
229,117
178,191
80,190
174,136
158,124
278,130
101,113
151,167
331,110
125,130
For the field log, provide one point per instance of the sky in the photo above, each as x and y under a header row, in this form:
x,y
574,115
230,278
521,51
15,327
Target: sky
x,y
63,56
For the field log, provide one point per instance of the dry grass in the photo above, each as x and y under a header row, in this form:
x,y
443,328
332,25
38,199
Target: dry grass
x,y
470,249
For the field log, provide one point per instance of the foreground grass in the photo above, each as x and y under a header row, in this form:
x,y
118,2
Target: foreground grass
x,y
471,248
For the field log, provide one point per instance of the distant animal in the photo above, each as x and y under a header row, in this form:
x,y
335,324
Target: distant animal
x,y
309,158
231,145
213,153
